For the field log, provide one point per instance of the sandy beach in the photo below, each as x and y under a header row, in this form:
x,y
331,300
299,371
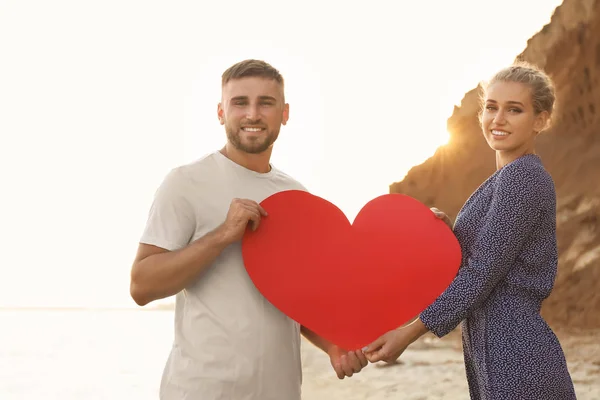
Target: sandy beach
x,y
433,369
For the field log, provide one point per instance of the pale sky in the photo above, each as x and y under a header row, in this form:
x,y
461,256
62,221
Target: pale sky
x,y
99,100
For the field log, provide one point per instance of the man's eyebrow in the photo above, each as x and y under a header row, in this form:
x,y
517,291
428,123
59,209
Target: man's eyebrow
x,y
236,98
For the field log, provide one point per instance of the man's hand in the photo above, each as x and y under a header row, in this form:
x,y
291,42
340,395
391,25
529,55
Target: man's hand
x,y
241,213
441,215
346,363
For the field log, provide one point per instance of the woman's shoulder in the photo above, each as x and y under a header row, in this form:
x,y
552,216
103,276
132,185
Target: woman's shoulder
x,y
527,172
528,166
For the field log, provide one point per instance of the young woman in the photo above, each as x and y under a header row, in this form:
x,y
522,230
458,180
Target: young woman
x,y
507,232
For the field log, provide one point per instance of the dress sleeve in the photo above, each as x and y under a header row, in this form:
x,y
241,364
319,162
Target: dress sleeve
x,y
171,221
514,209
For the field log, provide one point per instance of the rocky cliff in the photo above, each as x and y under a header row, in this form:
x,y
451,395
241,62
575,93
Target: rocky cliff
x,y
568,49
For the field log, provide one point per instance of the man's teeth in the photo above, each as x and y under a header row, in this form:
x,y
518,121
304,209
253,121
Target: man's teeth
x,y
252,129
499,133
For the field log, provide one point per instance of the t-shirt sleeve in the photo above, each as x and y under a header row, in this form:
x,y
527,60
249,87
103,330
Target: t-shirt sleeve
x,y
171,220
514,209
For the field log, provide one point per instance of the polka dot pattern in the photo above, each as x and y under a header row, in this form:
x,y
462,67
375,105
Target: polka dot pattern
x,y
507,233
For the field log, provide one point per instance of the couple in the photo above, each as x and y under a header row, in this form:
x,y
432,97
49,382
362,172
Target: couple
x,y
231,343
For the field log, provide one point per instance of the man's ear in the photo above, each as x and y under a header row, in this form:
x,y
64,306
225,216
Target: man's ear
x,y
220,114
286,113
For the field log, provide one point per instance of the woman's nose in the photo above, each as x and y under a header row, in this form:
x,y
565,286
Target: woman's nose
x,y
499,117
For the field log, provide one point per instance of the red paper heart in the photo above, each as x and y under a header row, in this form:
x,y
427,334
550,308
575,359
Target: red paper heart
x,y
350,283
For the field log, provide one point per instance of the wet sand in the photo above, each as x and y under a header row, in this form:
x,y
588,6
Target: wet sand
x,y
433,368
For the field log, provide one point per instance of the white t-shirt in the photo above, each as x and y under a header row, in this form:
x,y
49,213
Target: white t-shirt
x,y
230,342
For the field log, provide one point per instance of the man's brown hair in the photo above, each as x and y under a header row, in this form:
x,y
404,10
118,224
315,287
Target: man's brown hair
x,y
251,68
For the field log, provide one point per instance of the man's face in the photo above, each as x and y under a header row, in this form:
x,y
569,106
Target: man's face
x,y
252,110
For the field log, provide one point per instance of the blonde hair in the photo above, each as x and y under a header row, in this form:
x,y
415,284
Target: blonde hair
x,y
543,95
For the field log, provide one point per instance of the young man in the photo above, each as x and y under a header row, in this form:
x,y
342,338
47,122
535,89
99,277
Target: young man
x,y
230,342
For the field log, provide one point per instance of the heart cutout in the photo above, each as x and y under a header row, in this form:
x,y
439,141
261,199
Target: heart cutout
x,y
350,283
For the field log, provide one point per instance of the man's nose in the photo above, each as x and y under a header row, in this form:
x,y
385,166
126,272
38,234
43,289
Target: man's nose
x,y
253,112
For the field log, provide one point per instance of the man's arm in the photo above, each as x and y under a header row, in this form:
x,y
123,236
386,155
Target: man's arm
x,y
158,273
315,339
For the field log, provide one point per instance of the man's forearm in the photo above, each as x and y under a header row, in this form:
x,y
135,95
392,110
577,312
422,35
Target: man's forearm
x,y
317,340
167,273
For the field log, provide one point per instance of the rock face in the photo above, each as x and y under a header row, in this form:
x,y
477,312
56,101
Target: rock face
x,y
568,49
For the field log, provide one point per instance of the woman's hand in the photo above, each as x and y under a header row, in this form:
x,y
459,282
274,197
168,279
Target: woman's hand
x,y
392,344
441,215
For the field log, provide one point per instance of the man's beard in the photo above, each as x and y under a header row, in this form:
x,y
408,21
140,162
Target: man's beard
x,y
256,146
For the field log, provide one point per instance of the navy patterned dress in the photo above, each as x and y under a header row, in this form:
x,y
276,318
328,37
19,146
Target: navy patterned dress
x,y
507,233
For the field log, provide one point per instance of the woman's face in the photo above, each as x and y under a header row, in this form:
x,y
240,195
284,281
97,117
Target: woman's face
x,y
509,121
